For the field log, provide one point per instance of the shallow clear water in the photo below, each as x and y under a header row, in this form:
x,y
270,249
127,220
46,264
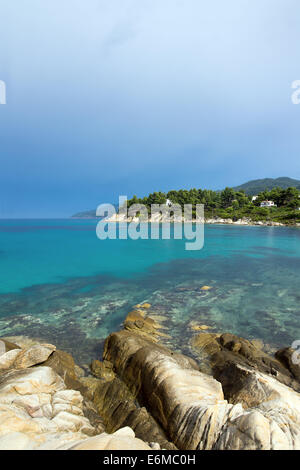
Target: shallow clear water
x,y
59,282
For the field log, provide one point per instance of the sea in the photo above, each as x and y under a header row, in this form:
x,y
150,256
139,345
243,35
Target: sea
x,y
61,284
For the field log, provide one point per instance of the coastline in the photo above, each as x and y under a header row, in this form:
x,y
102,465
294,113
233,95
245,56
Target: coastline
x,y
209,221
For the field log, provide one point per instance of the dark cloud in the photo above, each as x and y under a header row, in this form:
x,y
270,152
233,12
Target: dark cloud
x,y
130,96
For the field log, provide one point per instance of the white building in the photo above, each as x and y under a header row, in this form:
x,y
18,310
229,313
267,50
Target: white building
x,y
267,204
168,203
254,198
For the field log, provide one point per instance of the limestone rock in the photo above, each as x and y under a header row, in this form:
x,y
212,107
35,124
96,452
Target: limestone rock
x,y
16,441
137,314
123,439
145,393
272,421
63,364
145,326
90,384
21,341
79,372
102,370
7,359
154,445
172,388
200,327
6,346
38,410
285,356
35,403
217,353
117,406
36,354
259,411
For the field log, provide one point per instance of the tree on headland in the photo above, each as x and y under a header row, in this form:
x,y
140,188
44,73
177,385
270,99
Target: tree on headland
x,y
232,204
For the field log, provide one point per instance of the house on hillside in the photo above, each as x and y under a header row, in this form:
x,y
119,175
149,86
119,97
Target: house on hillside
x,y
168,203
268,204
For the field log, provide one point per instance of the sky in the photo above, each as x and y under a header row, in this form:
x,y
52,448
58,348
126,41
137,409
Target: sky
x,y
123,97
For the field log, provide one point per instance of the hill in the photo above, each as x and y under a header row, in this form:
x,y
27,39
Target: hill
x,y
90,214
212,199
85,215
256,186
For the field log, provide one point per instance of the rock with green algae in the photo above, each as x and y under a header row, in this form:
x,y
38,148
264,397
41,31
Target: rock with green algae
x,y
118,406
144,325
102,370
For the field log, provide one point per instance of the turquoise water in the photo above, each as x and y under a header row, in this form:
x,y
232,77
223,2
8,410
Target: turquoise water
x,y
59,282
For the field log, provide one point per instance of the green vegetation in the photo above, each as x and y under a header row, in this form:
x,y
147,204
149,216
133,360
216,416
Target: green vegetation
x,y
256,186
232,204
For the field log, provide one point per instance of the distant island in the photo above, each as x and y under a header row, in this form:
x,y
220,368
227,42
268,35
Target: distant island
x,y
276,202
91,214
85,215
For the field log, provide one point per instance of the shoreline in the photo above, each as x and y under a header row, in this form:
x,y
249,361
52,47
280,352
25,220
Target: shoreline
x,y
210,221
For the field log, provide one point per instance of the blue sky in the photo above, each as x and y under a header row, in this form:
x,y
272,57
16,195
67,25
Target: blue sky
x,y
109,97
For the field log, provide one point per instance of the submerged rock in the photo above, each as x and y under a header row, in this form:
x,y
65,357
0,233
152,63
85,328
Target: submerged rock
x,y
200,327
144,325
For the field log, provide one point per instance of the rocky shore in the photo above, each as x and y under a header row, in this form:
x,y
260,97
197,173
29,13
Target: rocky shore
x,y
227,394
210,221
